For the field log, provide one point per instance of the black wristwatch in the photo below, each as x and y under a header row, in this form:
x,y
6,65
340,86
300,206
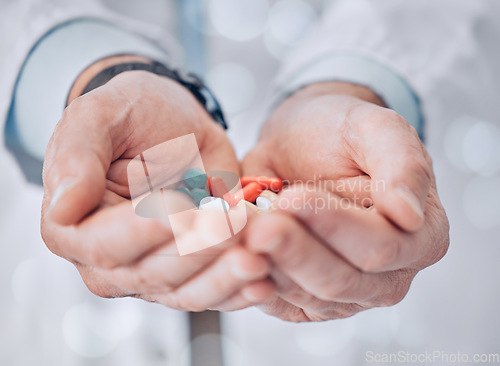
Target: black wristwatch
x,y
188,80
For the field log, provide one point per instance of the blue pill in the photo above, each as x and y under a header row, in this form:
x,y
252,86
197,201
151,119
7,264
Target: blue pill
x,y
198,194
184,190
195,178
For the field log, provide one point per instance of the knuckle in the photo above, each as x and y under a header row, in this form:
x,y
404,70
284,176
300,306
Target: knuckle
x,y
387,118
299,296
99,290
343,287
421,166
96,284
291,317
392,298
395,296
400,282
442,241
341,313
50,243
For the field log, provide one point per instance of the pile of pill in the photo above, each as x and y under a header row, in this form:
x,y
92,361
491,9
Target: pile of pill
x,y
211,193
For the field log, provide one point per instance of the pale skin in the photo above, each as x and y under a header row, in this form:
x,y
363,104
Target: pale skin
x,y
87,216
367,258
334,261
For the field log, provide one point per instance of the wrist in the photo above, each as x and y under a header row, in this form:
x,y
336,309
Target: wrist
x,y
106,69
294,104
338,88
90,72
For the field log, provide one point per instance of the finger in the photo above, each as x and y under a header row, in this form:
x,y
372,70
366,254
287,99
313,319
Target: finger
x,y
281,309
311,265
396,160
79,153
218,153
257,163
160,271
315,309
229,273
164,270
357,189
251,294
362,236
99,283
108,238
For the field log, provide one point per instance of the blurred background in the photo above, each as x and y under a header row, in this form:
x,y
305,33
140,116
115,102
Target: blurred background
x,y
48,317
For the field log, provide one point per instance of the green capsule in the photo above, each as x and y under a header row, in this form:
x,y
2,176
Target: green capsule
x,y
185,191
198,194
195,178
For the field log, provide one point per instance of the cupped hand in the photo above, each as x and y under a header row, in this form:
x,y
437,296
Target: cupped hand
x,y
88,218
362,215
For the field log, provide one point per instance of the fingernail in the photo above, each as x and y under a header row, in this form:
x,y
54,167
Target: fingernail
x,y
409,197
63,187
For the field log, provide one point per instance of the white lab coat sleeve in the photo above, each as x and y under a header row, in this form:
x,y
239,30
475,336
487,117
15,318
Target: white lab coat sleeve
x,y
51,43
403,50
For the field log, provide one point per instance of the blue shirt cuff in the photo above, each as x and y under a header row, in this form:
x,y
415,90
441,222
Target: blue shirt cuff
x,y
53,65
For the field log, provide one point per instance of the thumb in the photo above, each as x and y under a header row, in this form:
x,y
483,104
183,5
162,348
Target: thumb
x,y
257,163
76,163
401,173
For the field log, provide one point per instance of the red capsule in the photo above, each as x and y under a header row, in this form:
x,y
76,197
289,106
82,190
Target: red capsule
x,y
272,184
249,193
218,189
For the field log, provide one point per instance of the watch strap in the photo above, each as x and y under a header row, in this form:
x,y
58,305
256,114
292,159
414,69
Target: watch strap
x,y
188,80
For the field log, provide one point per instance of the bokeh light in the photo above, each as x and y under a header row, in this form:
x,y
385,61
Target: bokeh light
x,y
26,282
289,19
481,202
288,22
409,326
473,145
326,339
239,20
233,84
93,331
481,148
375,326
